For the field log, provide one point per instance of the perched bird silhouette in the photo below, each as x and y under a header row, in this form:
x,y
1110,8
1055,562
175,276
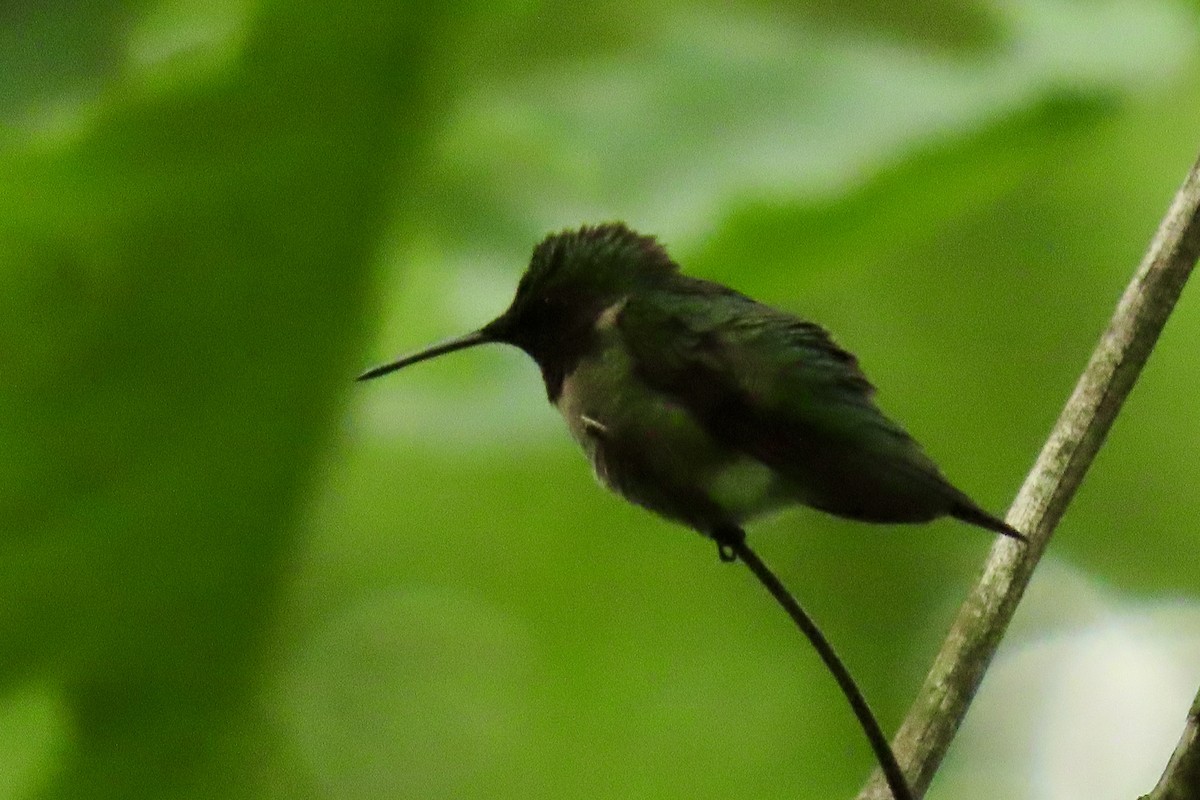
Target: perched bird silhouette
x,y
703,405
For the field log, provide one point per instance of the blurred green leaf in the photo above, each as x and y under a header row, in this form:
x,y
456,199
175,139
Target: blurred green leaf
x,y
184,293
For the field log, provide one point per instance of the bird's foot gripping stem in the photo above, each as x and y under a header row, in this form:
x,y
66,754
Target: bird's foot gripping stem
x,y
729,540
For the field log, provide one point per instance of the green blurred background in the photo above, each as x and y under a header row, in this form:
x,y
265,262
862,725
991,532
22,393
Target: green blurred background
x,y
226,571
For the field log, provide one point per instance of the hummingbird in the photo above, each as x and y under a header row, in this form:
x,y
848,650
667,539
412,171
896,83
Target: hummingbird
x,y
701,404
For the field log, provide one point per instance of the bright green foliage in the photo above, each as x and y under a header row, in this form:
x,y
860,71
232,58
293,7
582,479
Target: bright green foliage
x,y
226,571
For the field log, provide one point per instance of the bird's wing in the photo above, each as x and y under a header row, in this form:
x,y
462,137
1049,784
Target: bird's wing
x,y
780,390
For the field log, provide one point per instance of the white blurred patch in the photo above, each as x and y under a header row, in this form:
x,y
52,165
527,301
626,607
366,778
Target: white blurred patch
x,y
1086,701
506,407
482,286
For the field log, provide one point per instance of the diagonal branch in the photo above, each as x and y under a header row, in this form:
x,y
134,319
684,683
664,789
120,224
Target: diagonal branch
x,y
934,718
1181,779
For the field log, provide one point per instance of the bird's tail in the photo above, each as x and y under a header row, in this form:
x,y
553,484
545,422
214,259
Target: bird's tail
x,y
973,514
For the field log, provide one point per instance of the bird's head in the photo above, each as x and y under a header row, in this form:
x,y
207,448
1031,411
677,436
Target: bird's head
x,y
572,279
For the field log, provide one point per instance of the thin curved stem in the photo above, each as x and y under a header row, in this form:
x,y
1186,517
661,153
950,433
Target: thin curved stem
x,y
1181,779
735,544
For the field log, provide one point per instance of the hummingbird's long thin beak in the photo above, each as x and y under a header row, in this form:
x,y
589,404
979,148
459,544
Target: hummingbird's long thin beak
x,y
481,336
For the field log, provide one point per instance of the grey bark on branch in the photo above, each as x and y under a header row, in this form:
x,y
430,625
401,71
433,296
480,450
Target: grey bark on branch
x,y
1181,779
934,718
